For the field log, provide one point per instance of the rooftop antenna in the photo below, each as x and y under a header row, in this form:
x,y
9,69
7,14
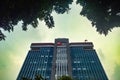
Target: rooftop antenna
x,y
86,40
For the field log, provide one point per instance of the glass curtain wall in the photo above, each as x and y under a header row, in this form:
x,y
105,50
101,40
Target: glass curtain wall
x,y
61,61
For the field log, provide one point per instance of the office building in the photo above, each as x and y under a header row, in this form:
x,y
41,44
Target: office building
x,y
53,60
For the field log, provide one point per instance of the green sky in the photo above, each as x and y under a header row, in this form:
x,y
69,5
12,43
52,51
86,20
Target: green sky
x,y
73,26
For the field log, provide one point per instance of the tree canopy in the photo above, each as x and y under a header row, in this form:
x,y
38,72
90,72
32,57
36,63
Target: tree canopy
x,y
37,77
65,78
29,11
103,14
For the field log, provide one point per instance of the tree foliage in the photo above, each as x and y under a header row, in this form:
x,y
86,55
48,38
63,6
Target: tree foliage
x,y
29,11
65,78
37,77
26,78
103,14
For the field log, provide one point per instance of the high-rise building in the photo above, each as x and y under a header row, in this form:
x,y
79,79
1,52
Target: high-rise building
x,y
53,60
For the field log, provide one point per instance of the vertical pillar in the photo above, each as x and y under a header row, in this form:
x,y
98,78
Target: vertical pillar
x,y
62,63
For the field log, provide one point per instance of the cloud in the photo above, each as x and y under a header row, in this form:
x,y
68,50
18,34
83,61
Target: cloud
x,y
116,75
5,64
102,55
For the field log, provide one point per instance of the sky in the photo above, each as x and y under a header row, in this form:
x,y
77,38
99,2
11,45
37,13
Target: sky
x,y
73,26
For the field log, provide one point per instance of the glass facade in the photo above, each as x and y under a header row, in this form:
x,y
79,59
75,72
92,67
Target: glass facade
x,y
86,64
61,62
53,60
37,62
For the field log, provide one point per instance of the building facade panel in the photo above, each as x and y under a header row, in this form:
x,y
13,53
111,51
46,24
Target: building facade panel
x,y
53,60
86,64
37,62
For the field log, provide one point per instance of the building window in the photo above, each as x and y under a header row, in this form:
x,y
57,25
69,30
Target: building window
x,y
78,68
84,68
75,61
74,68
92,61
42,56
